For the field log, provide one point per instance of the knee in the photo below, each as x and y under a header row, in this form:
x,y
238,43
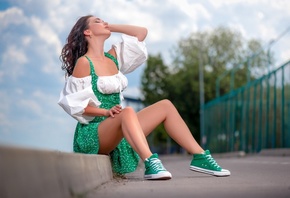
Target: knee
x,y
128,111
167,103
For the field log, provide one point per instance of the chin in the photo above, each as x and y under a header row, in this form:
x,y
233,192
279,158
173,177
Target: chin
x,y
108,34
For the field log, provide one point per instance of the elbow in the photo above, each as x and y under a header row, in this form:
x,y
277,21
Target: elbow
x,y
142,34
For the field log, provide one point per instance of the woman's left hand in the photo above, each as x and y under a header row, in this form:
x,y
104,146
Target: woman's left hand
x,y
115,110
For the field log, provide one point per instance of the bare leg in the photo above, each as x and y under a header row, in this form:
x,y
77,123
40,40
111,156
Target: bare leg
x,y
134,127
124,124
164,111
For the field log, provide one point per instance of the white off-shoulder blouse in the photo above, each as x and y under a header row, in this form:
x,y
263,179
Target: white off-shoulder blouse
x,y
77,93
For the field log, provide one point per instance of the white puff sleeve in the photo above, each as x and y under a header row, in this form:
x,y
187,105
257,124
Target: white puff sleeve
x,y
76,95
131,53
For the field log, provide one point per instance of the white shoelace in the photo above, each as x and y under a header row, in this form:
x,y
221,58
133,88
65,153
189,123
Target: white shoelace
x,y
156,164
212,161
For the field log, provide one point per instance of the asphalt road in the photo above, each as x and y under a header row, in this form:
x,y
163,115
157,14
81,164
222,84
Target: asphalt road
x,y
251,176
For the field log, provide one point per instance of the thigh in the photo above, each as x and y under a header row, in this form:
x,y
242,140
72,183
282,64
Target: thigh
x,y
110,134
110,130
153,115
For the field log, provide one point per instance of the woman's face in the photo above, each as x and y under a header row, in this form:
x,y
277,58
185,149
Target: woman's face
x,y
97,27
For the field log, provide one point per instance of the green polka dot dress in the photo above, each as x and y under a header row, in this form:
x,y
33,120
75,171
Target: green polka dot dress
x,y
124,159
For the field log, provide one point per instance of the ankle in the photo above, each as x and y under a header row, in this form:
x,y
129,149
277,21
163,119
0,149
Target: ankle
x,y
147,157
201,151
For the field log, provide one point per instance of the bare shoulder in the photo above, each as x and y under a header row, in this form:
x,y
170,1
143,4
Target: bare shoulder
x,y
82,68
112,52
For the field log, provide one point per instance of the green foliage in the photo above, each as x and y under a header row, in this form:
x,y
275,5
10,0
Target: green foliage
x,y
219,51
154,80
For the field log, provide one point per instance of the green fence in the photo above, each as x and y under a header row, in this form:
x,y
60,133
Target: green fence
x,y
251,118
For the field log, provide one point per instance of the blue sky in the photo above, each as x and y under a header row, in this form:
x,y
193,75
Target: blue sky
x,y
34,31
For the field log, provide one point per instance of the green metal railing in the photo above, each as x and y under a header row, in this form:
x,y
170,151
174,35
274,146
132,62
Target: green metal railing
x,y
251,118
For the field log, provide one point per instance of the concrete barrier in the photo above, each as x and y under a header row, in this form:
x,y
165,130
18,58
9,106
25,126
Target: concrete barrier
x,y
28,173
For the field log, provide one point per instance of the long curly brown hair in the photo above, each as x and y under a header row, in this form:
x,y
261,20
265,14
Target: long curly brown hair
x,y
76,45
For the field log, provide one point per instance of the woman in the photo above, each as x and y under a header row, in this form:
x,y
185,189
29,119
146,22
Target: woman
x,y
92,95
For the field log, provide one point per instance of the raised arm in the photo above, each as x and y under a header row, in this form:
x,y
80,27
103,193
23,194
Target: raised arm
x,y
132,30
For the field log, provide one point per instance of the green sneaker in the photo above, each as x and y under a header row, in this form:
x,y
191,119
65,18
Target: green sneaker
x,y
204,163
154,169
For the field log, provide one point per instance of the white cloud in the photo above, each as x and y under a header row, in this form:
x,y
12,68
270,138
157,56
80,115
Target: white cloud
x,y
44,103
12,62
280,5
239,28
46,34
11,16
3,120
285,55
260,15
220,3
13,57
267,33
30,105
4,109
26,40
191,9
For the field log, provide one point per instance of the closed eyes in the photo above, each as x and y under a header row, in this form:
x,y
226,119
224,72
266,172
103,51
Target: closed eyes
x,y
98,20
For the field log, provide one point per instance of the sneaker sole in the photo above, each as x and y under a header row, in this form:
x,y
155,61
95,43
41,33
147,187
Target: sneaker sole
x,y
159,176
222,173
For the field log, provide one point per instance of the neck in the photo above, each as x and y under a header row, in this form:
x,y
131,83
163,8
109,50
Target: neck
x,y
95,49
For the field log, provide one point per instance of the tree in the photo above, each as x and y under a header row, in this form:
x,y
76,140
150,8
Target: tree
x,y
154,88
154,80
219,51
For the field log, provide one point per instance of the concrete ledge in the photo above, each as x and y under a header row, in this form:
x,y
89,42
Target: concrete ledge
x,y
50,174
